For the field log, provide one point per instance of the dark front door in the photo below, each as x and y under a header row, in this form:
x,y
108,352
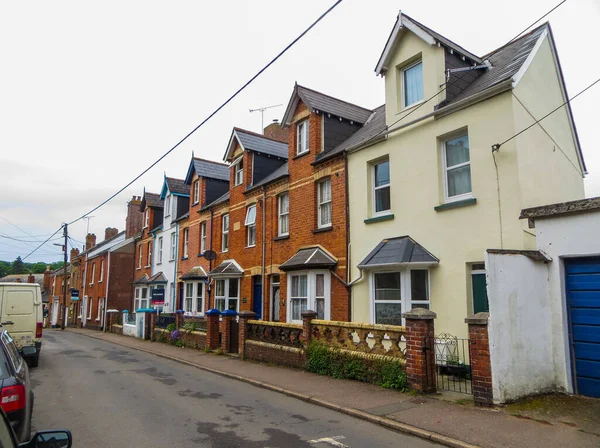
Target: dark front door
x,y
257,296
480,298
583,300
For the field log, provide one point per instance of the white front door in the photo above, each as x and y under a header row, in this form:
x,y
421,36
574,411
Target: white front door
x,y
55,311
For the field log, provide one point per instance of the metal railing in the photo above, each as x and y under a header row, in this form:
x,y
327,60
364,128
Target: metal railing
x,y
453,369
163,320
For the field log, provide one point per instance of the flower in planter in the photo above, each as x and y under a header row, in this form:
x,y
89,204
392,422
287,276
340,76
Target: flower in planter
x,y
175,335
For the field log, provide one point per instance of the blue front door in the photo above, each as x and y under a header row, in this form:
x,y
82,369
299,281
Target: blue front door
x,y
257,296
583,300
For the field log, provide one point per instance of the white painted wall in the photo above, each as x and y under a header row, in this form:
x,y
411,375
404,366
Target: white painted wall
x,y
565,237
520,327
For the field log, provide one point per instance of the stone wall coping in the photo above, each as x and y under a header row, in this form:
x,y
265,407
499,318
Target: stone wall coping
x,y
309,313
419,314
478,319
283,348
247,313
381,327
275,324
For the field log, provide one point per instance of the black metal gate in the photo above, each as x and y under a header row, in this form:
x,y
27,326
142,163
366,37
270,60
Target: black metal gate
x,y
234,336
452,364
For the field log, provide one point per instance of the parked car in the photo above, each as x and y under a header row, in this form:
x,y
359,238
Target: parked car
x,y
41,439
21,314
16,396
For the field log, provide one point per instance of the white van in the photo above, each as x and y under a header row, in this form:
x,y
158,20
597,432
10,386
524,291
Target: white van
x,y
21,315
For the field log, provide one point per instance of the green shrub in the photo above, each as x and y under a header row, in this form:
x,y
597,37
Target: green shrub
x,y
171,328
190,326
324,361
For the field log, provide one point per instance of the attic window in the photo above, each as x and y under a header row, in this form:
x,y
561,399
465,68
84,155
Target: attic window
x,y
239,172
302,137
412,84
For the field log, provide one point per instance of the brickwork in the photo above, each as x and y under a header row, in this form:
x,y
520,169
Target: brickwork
x,y
245,316
225,329
120,276
307,317
276,355
420,353
479,355
212,328
134,219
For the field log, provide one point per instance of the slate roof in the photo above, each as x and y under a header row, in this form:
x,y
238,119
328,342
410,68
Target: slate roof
x,y
141,280
207,169
217,201
177,186
279,173
182,217
22,278
60,271
259,143
372,129
229,268
159,277
309,258
152,200
562,208
197,272
395,251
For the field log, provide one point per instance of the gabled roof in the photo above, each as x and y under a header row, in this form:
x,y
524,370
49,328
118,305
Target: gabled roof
x,y
317,101
197,272
159,277
398,251
177,187
229,268
106,245
309,258
428,35
279,173
371,132
152,200
207,169
252,141
561,209
217,201
141,280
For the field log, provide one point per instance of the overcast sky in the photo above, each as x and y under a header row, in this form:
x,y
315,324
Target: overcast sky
x,y
91,93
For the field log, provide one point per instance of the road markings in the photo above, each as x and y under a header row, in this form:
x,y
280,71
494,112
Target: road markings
x,y
333,441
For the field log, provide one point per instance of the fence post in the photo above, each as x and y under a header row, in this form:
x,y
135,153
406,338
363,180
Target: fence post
x,y
153,319
148,323
307,317
179,319
225,329
420,350
212,328
245,316
479,356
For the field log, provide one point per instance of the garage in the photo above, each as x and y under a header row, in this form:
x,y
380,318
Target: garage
x,y
582,277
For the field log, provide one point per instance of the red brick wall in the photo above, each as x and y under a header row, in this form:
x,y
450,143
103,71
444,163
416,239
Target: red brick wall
x,y
146,268
481,369
120,289
275,355
98,288
134,219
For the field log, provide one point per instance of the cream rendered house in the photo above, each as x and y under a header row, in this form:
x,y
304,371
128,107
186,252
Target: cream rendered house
x,y
428,195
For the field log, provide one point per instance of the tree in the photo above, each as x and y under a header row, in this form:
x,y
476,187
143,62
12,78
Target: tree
x,y
18,267
5,268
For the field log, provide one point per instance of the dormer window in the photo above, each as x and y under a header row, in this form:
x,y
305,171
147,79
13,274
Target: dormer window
x,y
196,192
168,205
302,137
412,84
146,218
239,171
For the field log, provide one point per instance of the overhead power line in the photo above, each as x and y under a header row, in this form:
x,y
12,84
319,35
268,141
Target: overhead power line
x,y
35,250
217,110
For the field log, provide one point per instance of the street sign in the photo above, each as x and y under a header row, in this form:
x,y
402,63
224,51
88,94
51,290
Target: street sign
x,y
158,296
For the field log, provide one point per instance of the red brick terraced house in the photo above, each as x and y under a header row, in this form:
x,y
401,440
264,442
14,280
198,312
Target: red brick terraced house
x,y
56,299
207,181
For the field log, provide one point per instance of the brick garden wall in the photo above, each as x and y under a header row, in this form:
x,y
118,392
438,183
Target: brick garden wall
x,y
275,354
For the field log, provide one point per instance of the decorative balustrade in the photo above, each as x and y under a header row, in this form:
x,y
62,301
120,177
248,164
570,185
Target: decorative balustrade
x,y
278,333
386,340
163,320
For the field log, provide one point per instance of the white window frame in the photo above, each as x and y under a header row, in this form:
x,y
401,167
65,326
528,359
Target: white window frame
x,y
283,215
174,207
238,172
168,205
160,250
403,74
458,197
381,187
90,306
149,259
250,226
53,285
311,292
203,237
224,295
320,204
196,191
173,248
146,218
101,271
93,273
225,232
302,137
405,290
140,256
186,241
195,298
98,314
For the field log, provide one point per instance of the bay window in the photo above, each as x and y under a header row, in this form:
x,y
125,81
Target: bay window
x,y
396,292
309,290
227,294
194,298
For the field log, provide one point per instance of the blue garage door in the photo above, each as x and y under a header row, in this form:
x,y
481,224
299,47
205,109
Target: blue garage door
x,y
583,295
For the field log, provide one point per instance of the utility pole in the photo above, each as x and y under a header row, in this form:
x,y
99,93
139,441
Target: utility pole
x,y
64,301
262,115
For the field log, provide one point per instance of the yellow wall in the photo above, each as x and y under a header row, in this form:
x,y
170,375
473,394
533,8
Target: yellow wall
x,y
458,236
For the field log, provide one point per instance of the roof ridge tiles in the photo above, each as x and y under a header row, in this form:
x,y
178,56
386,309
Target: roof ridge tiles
x,y
334,98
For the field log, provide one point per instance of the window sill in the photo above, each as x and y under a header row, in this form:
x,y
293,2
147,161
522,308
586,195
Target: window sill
x,y
250,247
322,229
147,266
281,238
388,217
455,204
184,258
159,263
305,153
195,203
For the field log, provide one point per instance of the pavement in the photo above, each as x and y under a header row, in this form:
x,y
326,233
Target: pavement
x,y
448,419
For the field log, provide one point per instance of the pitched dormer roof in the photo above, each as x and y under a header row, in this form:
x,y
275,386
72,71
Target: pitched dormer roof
x,y
252,141
177,187
207,169
317,101
152,200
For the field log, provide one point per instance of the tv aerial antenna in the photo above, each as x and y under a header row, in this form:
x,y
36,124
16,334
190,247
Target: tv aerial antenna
x,y
262,115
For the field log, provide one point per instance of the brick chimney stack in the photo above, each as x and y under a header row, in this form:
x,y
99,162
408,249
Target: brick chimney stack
x,y
31,278
135,217
74,254
46,284
90,241
276,132
109,232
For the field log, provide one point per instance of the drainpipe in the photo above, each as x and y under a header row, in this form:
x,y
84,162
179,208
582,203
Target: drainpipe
x,y
176,300
348,288
264,250
106,292
83,299
210,261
